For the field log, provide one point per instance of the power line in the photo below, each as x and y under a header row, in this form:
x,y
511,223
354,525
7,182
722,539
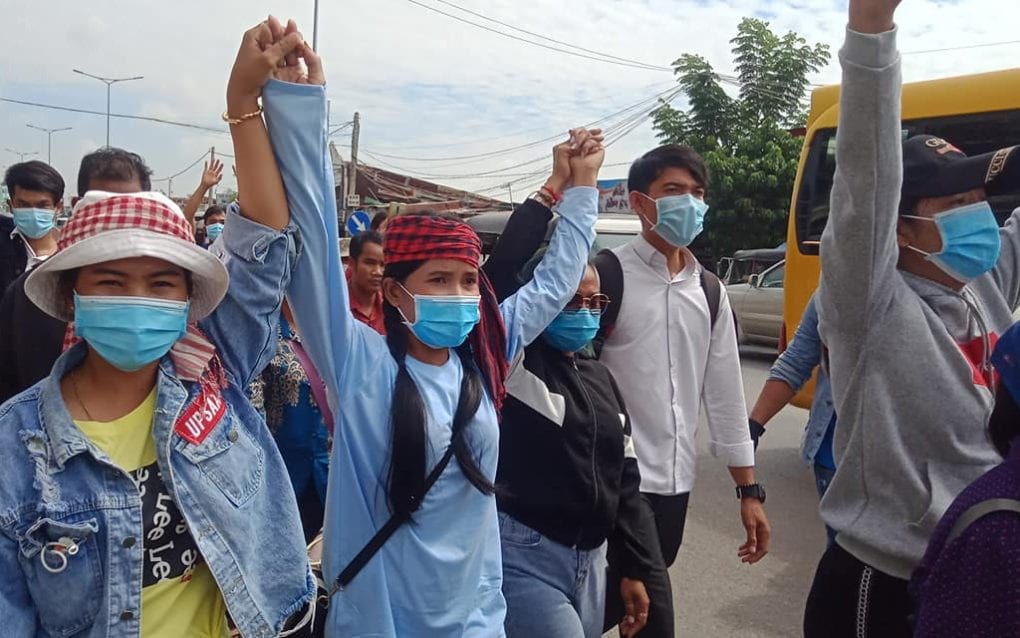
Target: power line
x,y
962,47
183,170
121,115
637,65
649,66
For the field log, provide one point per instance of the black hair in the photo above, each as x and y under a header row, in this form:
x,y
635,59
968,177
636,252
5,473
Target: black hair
x,y
35,176
527,272
358,242
1004,424
408,470
215,209
378,219
650,166
113,164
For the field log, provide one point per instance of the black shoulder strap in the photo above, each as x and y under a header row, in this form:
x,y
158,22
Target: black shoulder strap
x,y
975,512
610,273
387,530
712,288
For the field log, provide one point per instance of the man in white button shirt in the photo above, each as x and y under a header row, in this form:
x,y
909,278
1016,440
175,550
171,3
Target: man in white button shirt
x,y
670,360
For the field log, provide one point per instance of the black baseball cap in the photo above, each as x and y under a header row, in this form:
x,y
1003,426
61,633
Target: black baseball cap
x,y
932,167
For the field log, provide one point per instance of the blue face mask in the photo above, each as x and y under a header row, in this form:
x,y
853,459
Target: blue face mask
x,y
443,321
572,330
130,332
681,218
970,241
212,231
34,222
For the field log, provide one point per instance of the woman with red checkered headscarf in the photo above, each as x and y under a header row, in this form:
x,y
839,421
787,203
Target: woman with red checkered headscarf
x,y
411,543
140,492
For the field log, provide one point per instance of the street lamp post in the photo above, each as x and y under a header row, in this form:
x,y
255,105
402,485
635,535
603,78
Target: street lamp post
x,y
21,155
49,139
109,82
315,28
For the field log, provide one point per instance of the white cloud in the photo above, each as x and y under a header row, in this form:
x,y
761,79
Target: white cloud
x,y
425,85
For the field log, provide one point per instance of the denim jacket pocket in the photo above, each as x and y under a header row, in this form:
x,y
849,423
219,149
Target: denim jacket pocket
x,y
229,458
63,572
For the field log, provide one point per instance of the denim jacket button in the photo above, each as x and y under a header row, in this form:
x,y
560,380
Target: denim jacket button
x,y
127,615
232,435
129,541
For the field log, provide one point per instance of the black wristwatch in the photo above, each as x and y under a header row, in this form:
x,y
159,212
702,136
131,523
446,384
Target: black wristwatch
x,y
755,490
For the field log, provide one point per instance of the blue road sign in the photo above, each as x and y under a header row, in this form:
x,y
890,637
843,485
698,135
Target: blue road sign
x,y
358,222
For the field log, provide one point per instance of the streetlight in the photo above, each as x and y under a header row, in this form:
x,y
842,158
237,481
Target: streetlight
x,y
49,137
21,155
315,28
109,82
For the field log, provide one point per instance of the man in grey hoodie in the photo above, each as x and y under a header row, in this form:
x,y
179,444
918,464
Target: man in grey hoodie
x,y
917,282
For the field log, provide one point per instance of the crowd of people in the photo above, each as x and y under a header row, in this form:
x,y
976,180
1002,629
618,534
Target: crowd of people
x,y
498,445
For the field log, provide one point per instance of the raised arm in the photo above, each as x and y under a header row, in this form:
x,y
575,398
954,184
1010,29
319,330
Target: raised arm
x,y
211,176
859,249
257,247
526,229
528,312
335,341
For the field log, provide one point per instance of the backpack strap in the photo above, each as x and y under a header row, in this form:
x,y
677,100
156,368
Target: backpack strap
x,y
712,288
610,272
979,510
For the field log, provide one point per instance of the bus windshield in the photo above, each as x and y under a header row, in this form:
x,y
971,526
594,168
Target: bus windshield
x,y
974,134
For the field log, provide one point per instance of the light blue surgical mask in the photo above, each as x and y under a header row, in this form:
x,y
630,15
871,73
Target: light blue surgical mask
x,y
443,321
572,330
212,231
34,222
681,218
970,241
130,332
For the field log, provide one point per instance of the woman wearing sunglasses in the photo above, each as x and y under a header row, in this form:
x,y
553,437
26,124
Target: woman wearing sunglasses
x,y
567,484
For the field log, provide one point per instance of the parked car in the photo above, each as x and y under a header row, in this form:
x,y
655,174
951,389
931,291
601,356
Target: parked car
x,y
744,263
758,306
611,230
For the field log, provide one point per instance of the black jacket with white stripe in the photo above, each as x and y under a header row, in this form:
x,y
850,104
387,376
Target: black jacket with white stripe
x,y
566,464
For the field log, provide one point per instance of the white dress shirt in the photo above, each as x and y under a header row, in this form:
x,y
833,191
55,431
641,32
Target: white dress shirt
x,y
668,361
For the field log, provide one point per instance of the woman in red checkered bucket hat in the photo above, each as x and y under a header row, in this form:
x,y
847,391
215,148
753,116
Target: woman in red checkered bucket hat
x,y
141,493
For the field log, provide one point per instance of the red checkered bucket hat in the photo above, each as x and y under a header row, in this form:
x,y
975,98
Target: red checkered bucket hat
x,y
110,226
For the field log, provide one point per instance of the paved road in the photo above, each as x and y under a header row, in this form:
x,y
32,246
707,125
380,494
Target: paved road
x,y
715,594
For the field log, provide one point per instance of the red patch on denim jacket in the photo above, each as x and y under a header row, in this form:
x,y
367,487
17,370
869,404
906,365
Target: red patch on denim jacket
x,y
974,353
199,418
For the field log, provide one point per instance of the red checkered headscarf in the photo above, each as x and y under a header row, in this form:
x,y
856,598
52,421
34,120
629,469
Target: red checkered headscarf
x,y
423,237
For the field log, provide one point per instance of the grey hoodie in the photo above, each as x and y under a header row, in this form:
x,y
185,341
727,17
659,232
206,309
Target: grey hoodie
x,y
912,406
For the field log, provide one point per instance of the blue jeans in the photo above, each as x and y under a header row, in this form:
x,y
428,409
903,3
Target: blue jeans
x,y
550,589
823,476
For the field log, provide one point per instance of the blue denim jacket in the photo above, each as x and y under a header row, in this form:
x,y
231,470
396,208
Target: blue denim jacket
x,y
794,367
232,488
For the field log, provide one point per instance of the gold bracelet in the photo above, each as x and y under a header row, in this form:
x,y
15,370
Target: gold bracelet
x,y
542,198
243,118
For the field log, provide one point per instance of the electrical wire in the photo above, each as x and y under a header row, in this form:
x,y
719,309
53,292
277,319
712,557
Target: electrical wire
x,y
143,118
183,170
639,65
962,47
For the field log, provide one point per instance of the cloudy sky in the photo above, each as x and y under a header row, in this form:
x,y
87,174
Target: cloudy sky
x,y
427,86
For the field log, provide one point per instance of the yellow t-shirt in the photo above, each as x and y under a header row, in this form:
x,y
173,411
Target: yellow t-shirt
x,y
180,598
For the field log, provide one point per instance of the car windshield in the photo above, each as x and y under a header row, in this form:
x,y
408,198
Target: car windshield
x,y
610,240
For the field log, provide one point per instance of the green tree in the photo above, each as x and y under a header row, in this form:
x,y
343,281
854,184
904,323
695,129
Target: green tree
x,y
745,140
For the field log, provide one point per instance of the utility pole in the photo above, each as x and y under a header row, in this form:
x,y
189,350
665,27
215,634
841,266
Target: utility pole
x,y
21,155
109,82
352,169
315,28
49,139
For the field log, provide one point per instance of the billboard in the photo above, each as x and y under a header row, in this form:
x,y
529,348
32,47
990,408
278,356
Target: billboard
x,y
613,196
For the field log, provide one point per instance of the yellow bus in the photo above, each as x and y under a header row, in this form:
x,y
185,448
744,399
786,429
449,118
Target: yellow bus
x,y
977,113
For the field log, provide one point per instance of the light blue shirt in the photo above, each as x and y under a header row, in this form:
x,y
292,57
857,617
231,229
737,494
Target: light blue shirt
x,y
794,367
441,575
